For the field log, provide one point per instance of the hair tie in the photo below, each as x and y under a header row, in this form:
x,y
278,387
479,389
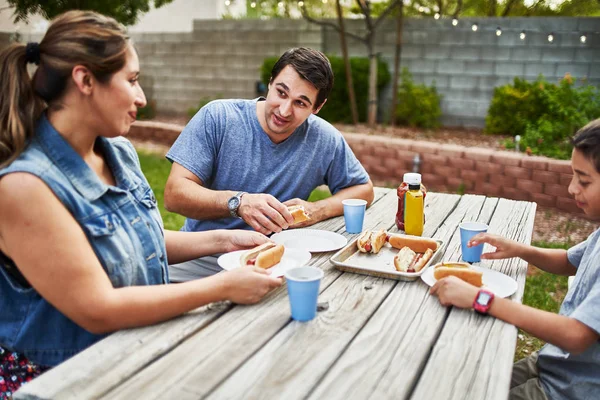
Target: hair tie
x,y
32,53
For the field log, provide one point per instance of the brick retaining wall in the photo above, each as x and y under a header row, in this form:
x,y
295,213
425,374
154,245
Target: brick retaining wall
x,y
444,167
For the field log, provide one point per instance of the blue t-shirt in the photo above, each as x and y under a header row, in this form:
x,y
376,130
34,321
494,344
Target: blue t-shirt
x,y
225,146
569,376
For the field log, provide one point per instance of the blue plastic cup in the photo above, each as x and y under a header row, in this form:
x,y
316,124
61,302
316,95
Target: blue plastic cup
x,y
467,231
354,214
303,290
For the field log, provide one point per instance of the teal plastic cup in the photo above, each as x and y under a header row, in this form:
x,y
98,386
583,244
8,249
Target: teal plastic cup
x,y
354,214
467,231
303,290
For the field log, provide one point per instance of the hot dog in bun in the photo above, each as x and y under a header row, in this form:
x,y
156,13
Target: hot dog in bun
x,y
460,270
264,256
409,261
298,213
416,243
371,242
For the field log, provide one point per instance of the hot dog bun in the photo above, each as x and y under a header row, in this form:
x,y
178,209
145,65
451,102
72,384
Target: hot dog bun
x,y
408,261
416,243
371,242
298,213
460,270
264,256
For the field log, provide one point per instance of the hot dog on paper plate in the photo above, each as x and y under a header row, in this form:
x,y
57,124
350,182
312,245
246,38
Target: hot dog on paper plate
x,y
264,256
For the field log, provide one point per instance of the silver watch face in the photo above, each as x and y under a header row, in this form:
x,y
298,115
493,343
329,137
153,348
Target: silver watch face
x,y
233,203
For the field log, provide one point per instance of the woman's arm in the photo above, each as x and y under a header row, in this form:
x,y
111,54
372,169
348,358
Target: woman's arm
x,y
185,246
60,264
551,260
567,333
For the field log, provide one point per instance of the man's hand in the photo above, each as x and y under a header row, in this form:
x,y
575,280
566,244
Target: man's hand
x,y
312,209
264,213
453,291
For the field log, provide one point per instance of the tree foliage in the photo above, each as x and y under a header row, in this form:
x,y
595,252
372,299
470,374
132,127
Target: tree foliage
x,y
458,8
125,11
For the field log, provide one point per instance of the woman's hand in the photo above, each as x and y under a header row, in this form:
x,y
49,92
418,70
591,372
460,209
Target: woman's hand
x,y
452,291
505,248
247,285
239,239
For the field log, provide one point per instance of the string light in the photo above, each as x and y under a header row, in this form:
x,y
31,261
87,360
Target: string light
x,y
324,1
583,38
300,4
280,4
498,31
437,16
522,35
421,9
227,3
474,27
454,22
551,37
253,5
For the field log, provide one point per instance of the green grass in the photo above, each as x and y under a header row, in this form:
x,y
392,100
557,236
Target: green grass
x,y
542,290
157,170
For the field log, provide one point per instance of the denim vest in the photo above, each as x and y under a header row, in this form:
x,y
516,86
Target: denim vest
x,y
122,224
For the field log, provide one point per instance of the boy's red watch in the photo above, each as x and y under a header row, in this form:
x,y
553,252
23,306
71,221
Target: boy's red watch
x,y
483,301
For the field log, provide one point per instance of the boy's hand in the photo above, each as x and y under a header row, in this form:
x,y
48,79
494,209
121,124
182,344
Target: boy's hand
x,y
453,291
505,248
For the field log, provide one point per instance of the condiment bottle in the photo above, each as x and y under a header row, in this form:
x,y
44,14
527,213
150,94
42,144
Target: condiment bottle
x,y
402,190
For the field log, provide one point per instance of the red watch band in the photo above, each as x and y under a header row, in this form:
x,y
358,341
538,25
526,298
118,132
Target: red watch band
x,y
483,301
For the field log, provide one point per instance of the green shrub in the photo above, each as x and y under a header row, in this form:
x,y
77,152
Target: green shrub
x,y
544,114
147,112
203,101
418,105
337,108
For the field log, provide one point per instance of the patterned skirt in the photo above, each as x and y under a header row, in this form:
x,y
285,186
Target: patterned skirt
x,y
15,370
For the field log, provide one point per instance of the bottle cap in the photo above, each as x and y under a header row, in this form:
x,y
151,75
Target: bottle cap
x,y
412,178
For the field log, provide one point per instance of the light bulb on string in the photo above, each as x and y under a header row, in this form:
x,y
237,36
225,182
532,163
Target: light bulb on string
x,y
437,16
583,38
454,22
227,3
324,1
280,4
551,37
421,9
474,27
498,31
522,35
253,5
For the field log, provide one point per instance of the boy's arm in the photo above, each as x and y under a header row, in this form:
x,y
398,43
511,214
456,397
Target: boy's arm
x,y
550,260
567,333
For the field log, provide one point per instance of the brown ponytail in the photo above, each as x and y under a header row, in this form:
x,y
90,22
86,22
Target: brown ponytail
x,y
74,38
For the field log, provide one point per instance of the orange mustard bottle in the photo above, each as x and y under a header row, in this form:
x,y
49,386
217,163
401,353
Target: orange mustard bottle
x,y
401,191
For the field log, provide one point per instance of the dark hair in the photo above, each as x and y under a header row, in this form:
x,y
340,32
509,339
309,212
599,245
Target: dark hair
x,y
311,65
74,38
587,141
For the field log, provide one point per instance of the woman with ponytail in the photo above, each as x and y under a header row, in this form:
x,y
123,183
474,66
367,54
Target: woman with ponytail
x,y
82,248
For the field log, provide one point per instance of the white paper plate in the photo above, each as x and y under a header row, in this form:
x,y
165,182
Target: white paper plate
x,y
496,282
291,258
313,240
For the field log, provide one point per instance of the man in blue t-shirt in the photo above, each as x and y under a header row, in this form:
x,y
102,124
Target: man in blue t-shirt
x,y
238,164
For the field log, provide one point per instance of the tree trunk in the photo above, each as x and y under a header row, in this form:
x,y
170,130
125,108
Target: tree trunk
x,y
348,68
372,85
399,23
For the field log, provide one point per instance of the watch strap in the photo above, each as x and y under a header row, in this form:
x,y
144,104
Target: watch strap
x,y
480,308
234,211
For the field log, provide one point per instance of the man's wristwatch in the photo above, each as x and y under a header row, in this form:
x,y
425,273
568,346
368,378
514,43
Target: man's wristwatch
x,y
233,204
483,301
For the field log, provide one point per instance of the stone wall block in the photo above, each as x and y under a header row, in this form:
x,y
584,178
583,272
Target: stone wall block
x,y
530,186
545,176
556,190
562,166
539,163
543,199
515,194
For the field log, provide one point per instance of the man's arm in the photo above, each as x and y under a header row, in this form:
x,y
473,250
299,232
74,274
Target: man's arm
x,y
185,194
332,206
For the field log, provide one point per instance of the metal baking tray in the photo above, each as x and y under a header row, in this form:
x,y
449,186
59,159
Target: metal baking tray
x,y
350,259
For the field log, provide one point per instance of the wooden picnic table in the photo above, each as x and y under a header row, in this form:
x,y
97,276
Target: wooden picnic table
x,y
378,338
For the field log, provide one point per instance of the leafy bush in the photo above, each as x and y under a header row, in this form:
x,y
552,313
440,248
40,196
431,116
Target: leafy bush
x,y
418,105
337,108
147,112
203,101
544,114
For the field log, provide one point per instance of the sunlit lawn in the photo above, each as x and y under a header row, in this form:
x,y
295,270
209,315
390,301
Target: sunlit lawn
x,y
542,290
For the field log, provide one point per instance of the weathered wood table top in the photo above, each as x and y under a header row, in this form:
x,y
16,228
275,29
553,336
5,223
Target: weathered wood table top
x,y
379,338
